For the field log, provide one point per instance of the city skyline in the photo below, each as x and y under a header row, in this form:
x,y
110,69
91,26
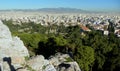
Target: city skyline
x,y
91,5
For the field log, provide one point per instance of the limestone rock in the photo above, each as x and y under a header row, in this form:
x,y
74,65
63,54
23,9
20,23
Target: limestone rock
x,y
12,49
23,70
63,62
4,31
58,59
38,63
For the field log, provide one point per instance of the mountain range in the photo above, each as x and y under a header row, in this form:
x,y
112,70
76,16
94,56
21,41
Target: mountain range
x,y
59,10
54,10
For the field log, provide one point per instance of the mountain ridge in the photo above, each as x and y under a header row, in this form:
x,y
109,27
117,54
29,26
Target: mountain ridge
x,y
54,10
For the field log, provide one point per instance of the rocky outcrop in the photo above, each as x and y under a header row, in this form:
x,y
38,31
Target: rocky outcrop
x,y
12,50
58,59
59,62
38,63
63,62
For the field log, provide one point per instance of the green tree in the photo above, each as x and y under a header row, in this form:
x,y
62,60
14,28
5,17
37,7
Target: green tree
x,y
85,57
60,40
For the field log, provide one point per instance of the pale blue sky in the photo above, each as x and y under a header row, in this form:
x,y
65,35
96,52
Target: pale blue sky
x,y
99,5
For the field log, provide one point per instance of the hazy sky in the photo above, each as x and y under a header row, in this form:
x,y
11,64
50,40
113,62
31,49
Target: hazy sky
x,y
100,5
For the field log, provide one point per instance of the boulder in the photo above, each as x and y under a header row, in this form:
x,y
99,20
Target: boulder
x,y
58,59
63,62
12,49
38,63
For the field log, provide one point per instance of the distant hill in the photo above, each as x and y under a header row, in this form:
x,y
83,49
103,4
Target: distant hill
x,y
52,10
62,10
58,10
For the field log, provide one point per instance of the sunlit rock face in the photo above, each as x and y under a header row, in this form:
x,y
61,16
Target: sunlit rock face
x,y
12,49
4,32
38,63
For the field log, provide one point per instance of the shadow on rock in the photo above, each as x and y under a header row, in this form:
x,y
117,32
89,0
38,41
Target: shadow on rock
x,y
64,65
8,60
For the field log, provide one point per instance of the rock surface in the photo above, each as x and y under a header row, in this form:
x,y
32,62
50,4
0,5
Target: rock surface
x,y
63,62
12,49
58,59
59,62
38,63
